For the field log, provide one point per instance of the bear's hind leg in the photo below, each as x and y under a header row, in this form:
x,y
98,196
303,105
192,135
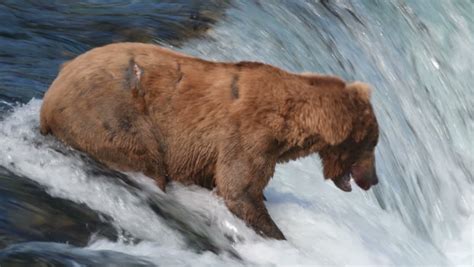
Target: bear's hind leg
x,y
158,174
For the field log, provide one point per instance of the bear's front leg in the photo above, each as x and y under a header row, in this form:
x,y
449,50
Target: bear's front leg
x,y
255,214
240,180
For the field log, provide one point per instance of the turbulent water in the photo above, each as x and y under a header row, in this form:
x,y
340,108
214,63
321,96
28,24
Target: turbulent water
x,y
59,207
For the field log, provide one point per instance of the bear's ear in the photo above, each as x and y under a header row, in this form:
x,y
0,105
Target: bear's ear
x,y
362,90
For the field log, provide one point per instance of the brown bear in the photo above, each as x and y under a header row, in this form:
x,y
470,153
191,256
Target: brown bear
x,y
141,107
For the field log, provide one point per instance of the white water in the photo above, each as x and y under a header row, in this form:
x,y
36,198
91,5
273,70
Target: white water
x,y
424,157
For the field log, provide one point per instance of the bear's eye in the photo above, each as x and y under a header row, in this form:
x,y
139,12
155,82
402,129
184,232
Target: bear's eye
x,y
373,142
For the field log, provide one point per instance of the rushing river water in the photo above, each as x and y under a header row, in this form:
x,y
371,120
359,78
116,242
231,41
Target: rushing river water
x,y
59,207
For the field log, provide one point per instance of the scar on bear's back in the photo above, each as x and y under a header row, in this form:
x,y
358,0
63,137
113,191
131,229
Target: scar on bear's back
x,y
234,88
133,82
133,76
180,74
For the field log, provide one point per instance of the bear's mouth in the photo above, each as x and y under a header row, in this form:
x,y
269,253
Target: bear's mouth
x,y
360,178
344,182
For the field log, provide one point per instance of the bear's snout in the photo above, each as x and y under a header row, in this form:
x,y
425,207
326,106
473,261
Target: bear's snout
x,y
364,178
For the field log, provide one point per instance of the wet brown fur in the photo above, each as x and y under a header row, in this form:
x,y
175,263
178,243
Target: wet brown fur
x,y
141,107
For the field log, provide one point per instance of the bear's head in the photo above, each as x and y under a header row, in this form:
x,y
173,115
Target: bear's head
x,y
334,118
351,139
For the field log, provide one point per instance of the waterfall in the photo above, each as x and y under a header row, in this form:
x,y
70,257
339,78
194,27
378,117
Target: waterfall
x,y
418,57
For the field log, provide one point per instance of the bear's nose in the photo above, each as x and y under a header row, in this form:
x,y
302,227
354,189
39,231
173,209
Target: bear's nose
x,y
375,180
